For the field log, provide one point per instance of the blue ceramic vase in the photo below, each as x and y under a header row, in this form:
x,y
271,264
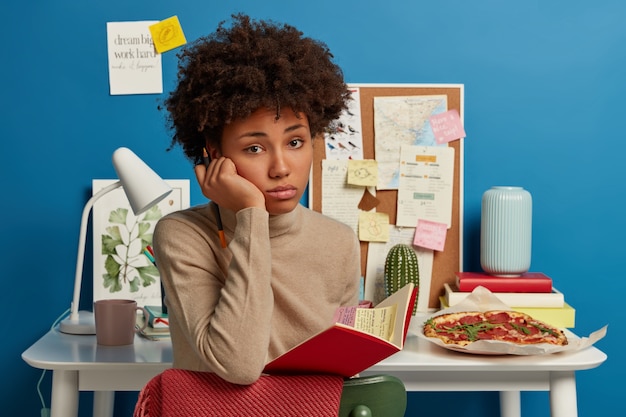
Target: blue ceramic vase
x,y
506,231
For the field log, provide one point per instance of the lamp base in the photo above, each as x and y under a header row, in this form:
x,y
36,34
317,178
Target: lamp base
x,y
85,324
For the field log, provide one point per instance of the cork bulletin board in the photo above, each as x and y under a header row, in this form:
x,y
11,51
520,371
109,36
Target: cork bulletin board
x,y
448,261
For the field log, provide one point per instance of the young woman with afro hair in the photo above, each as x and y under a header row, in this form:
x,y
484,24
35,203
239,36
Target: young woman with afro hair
x,y
254,94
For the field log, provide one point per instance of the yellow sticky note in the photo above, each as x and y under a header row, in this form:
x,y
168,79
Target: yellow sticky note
x,y
167,34
363,172
373,227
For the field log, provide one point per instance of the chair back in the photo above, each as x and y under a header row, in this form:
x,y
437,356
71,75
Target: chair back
x,y
373,396
177,392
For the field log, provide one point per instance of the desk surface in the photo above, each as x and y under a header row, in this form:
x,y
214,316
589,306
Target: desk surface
x,y
79,364
59,351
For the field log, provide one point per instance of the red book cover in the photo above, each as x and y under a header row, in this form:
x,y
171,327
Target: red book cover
x,y
528,282
346,351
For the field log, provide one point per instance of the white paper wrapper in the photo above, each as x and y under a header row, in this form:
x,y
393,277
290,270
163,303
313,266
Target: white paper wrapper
x,y
481,299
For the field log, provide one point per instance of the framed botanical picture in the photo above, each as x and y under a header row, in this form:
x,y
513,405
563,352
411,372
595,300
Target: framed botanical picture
x,y
121,268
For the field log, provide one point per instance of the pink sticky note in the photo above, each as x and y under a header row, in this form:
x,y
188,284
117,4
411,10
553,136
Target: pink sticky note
x,y
430,235
447,126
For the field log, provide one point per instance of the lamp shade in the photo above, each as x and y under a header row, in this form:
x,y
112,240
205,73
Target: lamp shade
x,y
143,187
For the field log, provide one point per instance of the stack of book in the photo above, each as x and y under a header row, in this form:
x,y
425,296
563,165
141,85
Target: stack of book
x,y
158,324
531,293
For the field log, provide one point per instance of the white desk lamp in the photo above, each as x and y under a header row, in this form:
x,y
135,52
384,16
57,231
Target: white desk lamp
x,y
143,188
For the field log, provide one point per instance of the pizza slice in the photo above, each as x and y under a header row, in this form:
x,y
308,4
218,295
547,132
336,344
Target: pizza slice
x,y
463,328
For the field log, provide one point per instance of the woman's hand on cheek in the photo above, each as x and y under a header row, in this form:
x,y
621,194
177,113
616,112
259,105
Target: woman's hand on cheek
x,y
221,183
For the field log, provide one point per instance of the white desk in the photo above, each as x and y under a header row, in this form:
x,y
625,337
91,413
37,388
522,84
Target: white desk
x,y
79,364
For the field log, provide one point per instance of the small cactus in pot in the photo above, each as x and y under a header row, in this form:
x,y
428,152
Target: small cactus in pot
x,y
401,267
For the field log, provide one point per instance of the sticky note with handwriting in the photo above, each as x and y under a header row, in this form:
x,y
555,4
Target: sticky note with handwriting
x,y
167,34
430,235
363,172
373,227
447,126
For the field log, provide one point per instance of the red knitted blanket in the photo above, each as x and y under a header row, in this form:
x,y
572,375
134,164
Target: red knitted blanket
x,y
181,393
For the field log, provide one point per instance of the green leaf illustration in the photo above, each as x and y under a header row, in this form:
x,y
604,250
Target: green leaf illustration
x,y
147,275
143,228
112,267
134,284
112,277
118,216
110,241
154,213
125,264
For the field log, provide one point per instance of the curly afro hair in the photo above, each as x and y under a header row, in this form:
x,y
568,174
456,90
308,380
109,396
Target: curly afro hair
x,y
235,71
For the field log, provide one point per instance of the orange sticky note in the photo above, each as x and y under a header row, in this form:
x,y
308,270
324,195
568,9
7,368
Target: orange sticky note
x,y
167,34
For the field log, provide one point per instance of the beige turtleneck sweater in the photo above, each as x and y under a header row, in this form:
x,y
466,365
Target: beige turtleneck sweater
x,y
279,282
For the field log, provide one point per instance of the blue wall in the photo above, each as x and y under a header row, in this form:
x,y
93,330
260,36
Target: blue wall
x,y
545,86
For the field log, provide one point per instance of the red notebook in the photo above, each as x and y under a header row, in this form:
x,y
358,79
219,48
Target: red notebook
x,y
345,350
528,282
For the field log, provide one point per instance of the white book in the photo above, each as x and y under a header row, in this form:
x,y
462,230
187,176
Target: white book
x,y
555,298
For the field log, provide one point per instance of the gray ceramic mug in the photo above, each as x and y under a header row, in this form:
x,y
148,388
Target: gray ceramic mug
x,y
116,320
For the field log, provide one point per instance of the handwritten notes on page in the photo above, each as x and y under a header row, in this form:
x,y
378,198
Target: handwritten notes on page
x,y
341,200
425,186
134,64
376,321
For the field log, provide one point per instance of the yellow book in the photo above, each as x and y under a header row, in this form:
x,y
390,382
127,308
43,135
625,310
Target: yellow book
x,y
562,317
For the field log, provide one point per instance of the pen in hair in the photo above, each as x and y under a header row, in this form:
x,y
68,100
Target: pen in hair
x,y
218,217
205,157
